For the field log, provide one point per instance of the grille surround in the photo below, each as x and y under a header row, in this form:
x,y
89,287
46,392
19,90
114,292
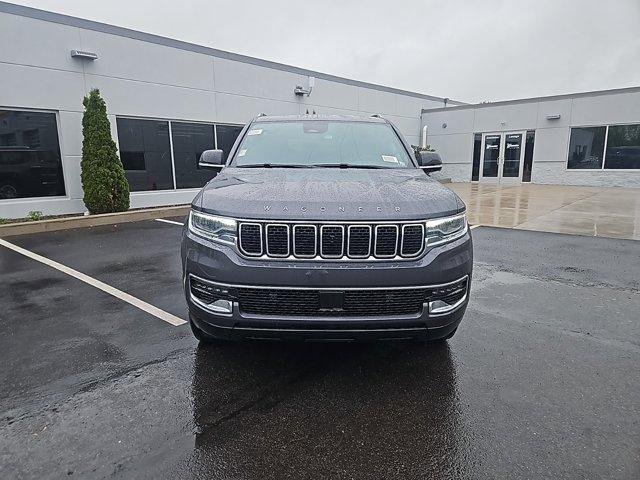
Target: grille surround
x,y
329,252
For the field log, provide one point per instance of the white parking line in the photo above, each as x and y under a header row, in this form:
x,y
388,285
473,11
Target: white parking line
x,y
474,226
125,297
169,221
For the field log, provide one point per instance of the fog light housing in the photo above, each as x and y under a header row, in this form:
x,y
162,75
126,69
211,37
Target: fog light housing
x,y
212,297
440,307
221,306
446,299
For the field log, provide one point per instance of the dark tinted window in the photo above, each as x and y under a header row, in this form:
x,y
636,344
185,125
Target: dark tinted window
x,y
227,135
477,148
623,147
30,162
586,148
145,153
528,156
189,141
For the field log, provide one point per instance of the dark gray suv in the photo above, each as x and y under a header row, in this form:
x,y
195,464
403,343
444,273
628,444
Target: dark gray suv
x,y
325,227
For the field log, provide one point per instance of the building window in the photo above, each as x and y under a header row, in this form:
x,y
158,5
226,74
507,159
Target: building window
x,y
30,161
586,148
226,135
145,152
189,141
528,155
477,147
623,147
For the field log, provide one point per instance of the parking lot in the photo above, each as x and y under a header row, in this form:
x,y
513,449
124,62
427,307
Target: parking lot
x,y
541,380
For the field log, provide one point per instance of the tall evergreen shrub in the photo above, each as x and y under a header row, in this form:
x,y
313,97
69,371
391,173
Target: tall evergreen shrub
x,y
105,186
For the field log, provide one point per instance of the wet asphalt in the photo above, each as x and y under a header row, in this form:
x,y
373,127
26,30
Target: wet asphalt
x,y
541,380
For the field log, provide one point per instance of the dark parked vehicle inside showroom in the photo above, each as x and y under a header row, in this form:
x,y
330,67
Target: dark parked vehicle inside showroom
x,y
325,227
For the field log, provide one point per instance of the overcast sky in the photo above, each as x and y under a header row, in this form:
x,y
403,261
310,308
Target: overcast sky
x,y
471,51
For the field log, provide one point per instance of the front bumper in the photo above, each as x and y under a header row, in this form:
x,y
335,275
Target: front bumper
x,y
220,264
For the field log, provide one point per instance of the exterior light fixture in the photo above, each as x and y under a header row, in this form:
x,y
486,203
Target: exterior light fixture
x,y
302,91
553,117
84,55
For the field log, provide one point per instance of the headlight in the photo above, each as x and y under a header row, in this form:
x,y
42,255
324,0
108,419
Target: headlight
x,y
219,229
442,230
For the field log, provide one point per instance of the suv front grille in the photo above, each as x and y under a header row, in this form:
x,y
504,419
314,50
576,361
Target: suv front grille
x,y
331,241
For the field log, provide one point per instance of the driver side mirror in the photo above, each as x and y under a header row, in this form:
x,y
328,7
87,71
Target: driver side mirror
x,y
211,159
429,161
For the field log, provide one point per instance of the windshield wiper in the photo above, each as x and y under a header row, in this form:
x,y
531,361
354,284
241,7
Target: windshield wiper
x,y
344,165
272,165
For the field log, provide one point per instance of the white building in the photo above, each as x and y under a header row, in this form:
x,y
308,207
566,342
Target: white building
x,y
581,139
168,100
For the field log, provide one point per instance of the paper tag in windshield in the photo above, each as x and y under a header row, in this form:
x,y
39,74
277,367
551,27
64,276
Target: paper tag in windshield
x,y
255,131
389,158
242,152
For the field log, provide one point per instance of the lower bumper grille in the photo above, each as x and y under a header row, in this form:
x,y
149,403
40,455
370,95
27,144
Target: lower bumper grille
x,y
284,302
318,303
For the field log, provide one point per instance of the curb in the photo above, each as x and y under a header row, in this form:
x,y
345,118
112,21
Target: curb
x,y
24,228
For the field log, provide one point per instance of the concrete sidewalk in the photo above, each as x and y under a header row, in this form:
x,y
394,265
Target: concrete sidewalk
x,y
593,211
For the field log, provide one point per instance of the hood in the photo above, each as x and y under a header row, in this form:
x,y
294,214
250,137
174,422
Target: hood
x,y
326,194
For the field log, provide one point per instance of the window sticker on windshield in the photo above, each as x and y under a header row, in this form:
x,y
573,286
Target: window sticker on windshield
x,y
242,152
255,131
389,158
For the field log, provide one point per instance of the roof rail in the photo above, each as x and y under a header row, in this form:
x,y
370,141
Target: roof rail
x,y
261,115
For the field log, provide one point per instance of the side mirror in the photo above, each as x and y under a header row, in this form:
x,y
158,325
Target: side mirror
x,y
429,161
211,159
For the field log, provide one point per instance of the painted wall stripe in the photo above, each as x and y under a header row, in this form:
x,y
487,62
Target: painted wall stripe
x,y
125,297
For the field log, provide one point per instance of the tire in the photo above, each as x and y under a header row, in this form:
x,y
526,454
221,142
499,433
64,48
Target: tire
x,y
8,191
203,337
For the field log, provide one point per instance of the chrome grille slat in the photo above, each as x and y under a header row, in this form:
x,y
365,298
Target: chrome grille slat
x,y
386,241
277,235
412,240
358,241
250,239
331,241
305,240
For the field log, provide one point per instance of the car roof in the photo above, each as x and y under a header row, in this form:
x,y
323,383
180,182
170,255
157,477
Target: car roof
x,y
318,117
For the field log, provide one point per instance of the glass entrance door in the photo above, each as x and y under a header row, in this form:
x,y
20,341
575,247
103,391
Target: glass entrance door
x,y
502,157
491,152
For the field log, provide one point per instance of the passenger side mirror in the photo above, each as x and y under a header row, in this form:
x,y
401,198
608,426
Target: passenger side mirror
x,y
211,159
429,161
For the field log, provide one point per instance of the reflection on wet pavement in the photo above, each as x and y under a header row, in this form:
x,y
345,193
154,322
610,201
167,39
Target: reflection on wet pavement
x,y
351,408
593,211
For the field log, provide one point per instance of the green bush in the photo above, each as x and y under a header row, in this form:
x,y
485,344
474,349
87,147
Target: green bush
x,y
34,215
105,186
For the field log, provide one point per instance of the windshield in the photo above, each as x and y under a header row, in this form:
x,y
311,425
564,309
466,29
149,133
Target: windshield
x,y
321,144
